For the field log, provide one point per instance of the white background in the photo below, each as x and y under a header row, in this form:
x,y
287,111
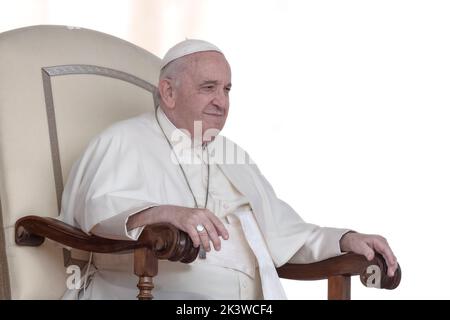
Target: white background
x,y
344,105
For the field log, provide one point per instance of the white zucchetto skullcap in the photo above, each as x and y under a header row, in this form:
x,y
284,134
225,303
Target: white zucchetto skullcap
x,y
186,47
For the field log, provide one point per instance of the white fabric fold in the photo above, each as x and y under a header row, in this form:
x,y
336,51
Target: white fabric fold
x,y
271,284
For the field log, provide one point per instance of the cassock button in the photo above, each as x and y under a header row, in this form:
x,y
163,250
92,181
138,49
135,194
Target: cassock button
x,y
225,206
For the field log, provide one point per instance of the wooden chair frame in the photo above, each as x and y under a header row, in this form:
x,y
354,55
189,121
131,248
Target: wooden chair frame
x,y
164,241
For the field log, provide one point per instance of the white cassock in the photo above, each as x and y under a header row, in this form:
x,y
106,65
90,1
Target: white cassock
x,y
129,168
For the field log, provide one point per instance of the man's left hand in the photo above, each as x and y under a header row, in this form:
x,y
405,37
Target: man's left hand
x,y
367,245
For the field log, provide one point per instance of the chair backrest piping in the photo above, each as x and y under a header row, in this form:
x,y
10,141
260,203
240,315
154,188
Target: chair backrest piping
x,y
47,73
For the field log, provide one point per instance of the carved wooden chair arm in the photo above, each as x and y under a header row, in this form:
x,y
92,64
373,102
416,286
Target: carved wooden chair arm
x,y
338,271
158,241
164,241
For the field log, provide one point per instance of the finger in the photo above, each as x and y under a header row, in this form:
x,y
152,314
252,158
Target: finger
x,y
211,229
220,227
194,236
367,251
204,239
383,247
392,269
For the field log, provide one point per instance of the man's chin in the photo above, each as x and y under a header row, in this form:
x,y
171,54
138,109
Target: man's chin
x,y
210,133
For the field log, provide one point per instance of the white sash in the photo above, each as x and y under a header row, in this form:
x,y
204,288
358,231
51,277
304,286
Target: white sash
x,y
270,282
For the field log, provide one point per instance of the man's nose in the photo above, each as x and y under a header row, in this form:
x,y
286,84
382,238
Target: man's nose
x,y
220,99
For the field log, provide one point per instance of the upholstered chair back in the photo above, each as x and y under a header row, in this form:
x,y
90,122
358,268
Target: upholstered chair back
x,y
59,87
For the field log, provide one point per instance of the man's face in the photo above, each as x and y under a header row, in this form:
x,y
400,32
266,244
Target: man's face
x,y
202,94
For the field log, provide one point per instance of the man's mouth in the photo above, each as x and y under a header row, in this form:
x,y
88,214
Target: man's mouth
x,y
216,114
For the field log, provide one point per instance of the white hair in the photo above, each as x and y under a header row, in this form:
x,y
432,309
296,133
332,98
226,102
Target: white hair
x,y
172,72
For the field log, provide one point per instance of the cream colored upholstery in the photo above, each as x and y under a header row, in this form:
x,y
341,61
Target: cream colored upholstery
x,y
41,135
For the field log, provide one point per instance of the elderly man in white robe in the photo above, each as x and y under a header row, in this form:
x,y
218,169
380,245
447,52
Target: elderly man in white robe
x,y
170,165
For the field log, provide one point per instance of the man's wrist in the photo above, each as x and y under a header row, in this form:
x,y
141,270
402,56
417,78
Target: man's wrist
x,y
343,242
142,218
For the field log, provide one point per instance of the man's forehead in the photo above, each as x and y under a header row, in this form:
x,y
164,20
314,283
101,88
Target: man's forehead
x,y
207,67
204,59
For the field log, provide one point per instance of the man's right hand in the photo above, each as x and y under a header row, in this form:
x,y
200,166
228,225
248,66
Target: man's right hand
x,y
186,219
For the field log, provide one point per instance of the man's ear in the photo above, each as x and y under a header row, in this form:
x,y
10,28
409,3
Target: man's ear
x,y
166,92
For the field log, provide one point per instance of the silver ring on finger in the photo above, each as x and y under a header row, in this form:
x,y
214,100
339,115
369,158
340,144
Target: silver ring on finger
x,y
200,227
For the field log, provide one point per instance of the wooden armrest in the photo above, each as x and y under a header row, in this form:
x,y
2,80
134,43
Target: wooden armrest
x,y
345,265
164,240
158,241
